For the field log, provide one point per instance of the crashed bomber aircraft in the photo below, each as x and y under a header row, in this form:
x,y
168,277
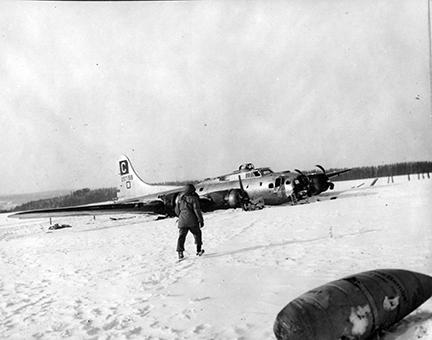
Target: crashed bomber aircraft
x,y
248,188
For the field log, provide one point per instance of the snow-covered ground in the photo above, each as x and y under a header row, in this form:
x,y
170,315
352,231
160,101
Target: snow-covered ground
x,y
105,279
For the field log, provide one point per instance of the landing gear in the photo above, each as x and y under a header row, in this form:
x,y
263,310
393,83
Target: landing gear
x,y
255,204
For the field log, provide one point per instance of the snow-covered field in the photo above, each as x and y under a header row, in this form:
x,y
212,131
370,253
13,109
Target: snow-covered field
x,y
105,279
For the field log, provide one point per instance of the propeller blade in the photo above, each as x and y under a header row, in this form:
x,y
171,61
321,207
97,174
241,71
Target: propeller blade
x,y
321,168
244,197
241,184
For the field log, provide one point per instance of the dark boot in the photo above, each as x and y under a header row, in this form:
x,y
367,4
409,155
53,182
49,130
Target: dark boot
x,y
180,255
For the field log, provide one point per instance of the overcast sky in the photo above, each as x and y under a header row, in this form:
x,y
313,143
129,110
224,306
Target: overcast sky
x,y
192,89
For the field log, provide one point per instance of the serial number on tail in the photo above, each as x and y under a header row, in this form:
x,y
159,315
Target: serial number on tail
x,y
127,178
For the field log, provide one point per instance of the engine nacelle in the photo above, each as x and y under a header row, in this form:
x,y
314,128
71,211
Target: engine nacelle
x,y
234,198
319,184
170,202
223,199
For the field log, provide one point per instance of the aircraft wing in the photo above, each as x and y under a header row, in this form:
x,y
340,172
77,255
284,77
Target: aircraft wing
x,y
155,207
138,197
337,173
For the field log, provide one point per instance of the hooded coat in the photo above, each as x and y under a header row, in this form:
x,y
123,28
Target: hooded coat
x,y
188,209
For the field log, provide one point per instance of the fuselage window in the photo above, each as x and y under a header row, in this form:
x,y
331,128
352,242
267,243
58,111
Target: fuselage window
x,y
257,174
288,182
201,189
271,185
260,184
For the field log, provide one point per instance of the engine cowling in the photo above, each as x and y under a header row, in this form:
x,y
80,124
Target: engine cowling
x,y
170,202
234,198
319,184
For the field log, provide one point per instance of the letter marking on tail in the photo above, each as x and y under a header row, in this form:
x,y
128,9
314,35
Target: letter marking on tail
x,y
124,167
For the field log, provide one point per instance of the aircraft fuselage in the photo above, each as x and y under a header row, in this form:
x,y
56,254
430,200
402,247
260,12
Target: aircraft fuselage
x,y
272,188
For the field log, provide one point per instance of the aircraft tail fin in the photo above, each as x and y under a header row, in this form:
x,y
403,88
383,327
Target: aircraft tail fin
x,y
131,186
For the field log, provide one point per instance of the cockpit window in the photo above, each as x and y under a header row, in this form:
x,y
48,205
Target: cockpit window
x,y
257,174
288,182
278,182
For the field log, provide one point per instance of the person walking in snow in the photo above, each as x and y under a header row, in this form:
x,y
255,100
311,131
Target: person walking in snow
x,y
190,219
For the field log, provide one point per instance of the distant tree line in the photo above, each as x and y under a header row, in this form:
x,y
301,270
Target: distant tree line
x,y
395,169
78,197
87,196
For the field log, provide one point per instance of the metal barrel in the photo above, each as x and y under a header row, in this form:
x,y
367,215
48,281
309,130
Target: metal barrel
x,y
354,307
